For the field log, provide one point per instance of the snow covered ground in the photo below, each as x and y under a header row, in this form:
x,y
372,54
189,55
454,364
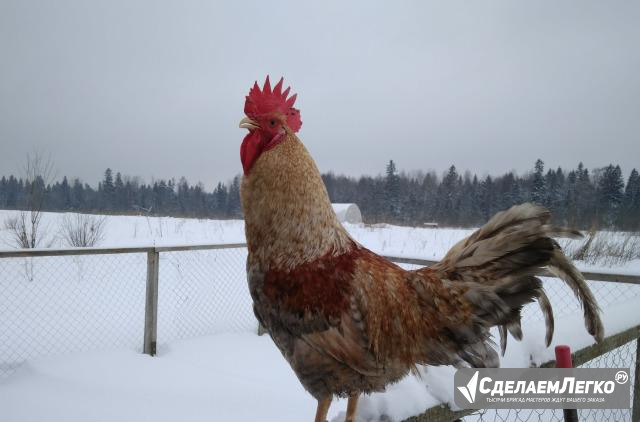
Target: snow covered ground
x,y
143,231
71,331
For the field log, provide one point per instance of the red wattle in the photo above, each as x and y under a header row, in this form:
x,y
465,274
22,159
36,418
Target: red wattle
x,y
250,150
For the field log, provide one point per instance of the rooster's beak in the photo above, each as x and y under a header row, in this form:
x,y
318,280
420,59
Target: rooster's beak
x,y
247,123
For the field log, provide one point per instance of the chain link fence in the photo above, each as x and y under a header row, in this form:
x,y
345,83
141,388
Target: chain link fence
x,y
54,305
203,292
68,301
57,305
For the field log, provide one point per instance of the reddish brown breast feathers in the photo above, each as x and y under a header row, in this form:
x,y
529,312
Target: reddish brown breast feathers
x,y
321,286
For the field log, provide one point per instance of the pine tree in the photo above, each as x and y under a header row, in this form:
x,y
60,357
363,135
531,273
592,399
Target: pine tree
x,y
448,197
108,190
234,208
610,195
467,202
539,187
554,184
77,196
220,198
183,196
120,200
569,199
508,191
14,191
585,199
64,192
392,191
631,202
429,197
3,194
487,198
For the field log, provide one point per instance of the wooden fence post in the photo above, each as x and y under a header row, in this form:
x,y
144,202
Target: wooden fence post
x,y
151,304
636,386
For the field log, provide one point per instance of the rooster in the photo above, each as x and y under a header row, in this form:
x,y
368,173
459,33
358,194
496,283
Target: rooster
x,y
349,321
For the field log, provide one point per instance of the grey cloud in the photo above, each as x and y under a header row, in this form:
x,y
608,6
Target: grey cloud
x,y
156,89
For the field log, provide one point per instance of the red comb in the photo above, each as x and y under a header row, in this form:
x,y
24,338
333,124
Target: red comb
x,y
267,101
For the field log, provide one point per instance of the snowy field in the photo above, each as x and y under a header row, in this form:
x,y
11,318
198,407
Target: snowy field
x,y
71,331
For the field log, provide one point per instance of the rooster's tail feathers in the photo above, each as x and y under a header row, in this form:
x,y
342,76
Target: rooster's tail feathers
x,y
509,250
493,305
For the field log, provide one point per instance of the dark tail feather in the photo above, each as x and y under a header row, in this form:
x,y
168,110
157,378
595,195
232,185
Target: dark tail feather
x,y
515,328
499,305
502,329
545,307
512,327
560,265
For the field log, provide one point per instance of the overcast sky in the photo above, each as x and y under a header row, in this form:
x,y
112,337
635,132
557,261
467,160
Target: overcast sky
x,y
156,89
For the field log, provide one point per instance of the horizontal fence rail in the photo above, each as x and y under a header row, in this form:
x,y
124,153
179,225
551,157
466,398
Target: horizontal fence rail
x,y
25,253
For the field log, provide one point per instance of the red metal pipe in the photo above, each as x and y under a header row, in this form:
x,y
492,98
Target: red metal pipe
x,y
563,357
563,360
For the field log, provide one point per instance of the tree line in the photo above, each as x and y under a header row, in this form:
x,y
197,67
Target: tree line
x,y
118,194
580,198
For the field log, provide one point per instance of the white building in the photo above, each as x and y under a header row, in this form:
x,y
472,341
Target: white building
x,y
348,213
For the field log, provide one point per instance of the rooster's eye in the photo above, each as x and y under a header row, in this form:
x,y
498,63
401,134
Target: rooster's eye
x,y
272,122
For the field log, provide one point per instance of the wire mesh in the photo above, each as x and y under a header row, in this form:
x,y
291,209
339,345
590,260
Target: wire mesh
x,y
564,301
203,292
65,304
621,357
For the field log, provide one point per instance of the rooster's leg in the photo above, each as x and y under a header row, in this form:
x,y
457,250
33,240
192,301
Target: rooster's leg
x,y
352,404
323,409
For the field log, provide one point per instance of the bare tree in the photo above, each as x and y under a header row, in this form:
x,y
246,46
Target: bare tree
x,y
18,228
82,230
26,227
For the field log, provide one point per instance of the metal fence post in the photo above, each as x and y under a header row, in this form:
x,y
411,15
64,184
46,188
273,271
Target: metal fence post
x,y
563,360
636,387
151,304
